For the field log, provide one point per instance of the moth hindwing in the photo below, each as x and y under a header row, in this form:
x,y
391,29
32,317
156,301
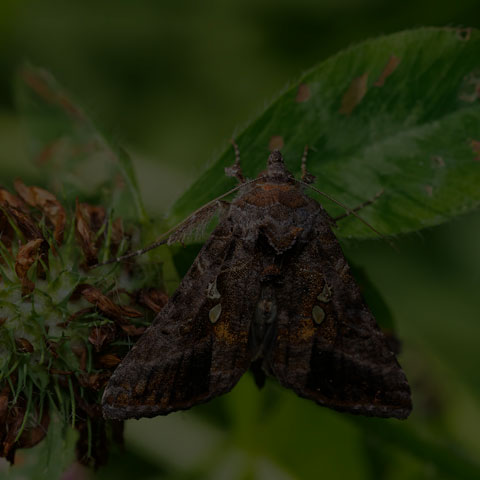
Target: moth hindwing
x,y
269,289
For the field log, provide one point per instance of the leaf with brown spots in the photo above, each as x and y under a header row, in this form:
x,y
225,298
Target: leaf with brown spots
x,y
382,139
303,93
354,95
390,67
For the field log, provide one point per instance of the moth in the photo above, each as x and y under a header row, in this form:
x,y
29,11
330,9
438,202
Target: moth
x,y
270,290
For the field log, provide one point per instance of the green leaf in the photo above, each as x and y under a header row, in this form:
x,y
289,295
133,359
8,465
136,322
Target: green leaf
x,y
75,157
399,113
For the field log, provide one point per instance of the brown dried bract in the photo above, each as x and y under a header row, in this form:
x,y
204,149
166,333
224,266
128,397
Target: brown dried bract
x,y
78,314
25,223
24,345
85,234
52,347
152,298
389,68
90,219
354,95
94,214
94,381
26,257
47,203
35,434
109,360
8,198
9,431
106,305
117,233
4,395
101,335
6,233
11,421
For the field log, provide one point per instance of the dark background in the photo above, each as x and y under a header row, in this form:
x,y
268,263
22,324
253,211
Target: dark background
x,y
172,81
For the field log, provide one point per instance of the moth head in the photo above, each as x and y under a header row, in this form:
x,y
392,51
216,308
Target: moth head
x,y
275,165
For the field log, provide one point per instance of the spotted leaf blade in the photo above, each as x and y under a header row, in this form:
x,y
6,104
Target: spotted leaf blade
x,y
399,113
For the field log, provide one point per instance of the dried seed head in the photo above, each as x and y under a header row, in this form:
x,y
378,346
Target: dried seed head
x,y
68,335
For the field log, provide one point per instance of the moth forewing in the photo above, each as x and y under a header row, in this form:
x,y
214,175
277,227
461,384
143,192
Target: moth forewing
x,y
269,289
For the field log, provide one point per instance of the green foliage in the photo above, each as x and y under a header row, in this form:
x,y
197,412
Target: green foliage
x,y
75,157
399,113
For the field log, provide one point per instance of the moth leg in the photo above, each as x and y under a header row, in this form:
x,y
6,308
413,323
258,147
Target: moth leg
x,y
235,170
307,177
360,207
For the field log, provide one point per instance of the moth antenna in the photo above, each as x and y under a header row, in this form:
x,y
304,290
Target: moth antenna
x,y
237,152
349,211
361,206
307,177
169,236
235,170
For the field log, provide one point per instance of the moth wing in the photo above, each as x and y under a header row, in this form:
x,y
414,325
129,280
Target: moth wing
x,y
197,347
328,346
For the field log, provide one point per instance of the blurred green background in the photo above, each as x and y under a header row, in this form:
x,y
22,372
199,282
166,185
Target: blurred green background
x,y
172,81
